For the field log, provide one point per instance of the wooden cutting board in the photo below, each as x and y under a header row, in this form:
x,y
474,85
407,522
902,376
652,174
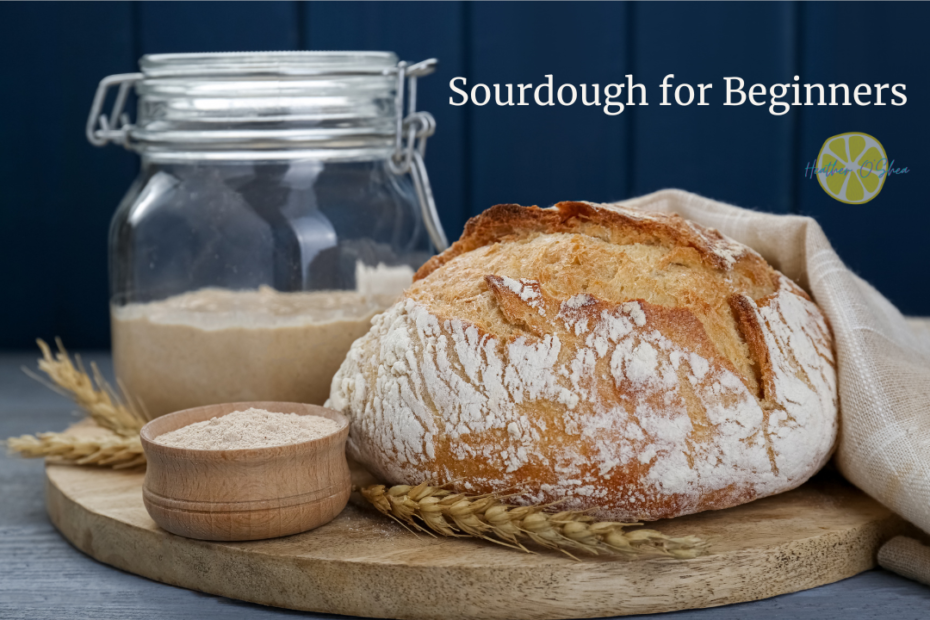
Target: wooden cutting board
x,y
363,564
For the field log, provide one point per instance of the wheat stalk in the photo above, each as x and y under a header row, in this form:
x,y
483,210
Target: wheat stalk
x,y
103,405
433,509
116,452
90,391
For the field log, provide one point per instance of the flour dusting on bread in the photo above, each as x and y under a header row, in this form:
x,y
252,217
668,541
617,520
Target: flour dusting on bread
x,y
641,375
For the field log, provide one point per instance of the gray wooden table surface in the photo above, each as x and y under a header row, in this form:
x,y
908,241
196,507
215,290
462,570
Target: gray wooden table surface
x,y
43,576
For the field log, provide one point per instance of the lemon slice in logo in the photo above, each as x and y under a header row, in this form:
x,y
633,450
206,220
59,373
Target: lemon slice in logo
x,y
852,167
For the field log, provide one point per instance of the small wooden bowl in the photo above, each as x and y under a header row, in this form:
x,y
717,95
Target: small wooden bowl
x,y
245,494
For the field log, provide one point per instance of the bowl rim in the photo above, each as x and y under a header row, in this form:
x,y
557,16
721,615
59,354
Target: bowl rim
x,y
267,452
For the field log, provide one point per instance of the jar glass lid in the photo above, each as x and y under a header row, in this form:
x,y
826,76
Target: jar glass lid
x,y
281,104
268,63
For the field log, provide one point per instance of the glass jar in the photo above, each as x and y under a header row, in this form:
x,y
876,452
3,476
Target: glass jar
x,y
282,202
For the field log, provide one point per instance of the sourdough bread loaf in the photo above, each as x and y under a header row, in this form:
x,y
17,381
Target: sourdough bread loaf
x,y
626,362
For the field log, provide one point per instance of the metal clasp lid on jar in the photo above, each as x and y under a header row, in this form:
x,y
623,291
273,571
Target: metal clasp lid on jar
x,y
276,104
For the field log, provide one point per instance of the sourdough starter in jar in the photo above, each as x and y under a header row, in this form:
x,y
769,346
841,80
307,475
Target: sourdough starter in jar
x,y
216,345
286,169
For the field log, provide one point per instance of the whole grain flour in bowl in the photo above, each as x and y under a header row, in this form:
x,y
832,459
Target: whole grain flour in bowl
x,y
249,429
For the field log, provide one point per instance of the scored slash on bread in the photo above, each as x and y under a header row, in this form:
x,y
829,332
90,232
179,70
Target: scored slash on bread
x,y
618,226
630,363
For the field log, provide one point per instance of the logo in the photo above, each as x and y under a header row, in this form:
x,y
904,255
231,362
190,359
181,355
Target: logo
x,y
852,167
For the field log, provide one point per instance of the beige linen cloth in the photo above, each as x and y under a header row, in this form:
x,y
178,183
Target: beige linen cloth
x,y
883,362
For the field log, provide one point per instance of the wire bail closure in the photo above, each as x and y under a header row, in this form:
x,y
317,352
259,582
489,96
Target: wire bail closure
x,y
102,130
410,145
413,129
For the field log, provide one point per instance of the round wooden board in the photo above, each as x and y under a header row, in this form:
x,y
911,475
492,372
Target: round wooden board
x,y
363,564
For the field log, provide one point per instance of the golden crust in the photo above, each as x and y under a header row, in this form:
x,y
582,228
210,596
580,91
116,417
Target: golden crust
x,y
630,363
505,221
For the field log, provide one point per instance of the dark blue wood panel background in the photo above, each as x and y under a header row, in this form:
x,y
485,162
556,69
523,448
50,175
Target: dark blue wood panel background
x,y
537,154
57,193
886,241
739,154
